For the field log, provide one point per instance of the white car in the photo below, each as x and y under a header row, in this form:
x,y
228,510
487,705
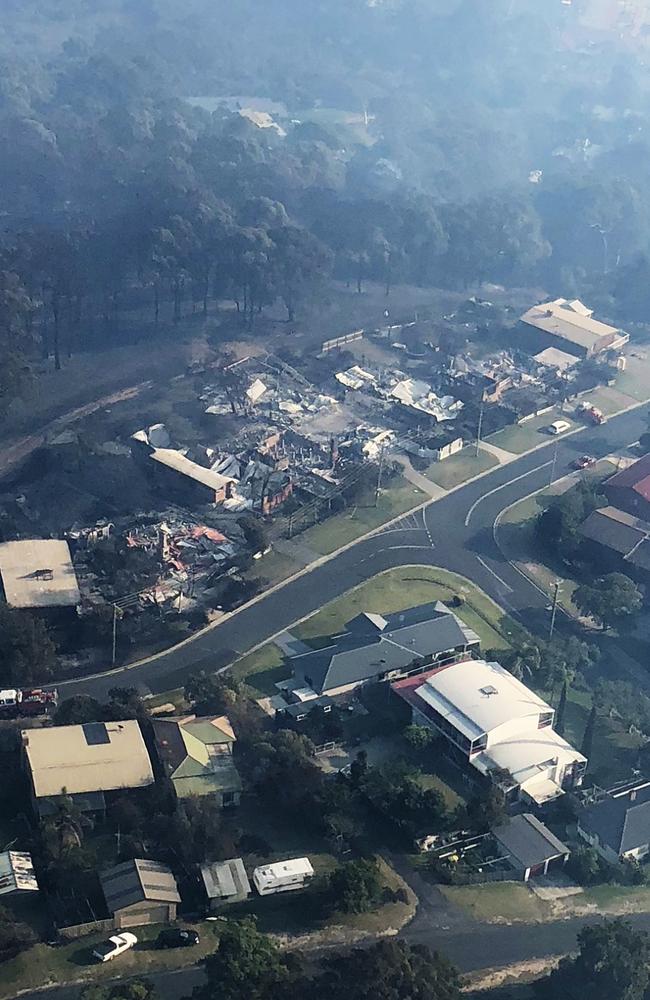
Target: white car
x,y
559,427
115,946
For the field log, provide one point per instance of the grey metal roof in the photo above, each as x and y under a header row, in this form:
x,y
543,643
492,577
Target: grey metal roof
x,y
306,707
614,528
426,630
226,880
528,841
136,881
621,820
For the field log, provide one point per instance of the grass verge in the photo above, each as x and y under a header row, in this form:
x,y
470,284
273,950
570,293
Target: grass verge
x,y
345,528
406,587
522,437
498,903
459,468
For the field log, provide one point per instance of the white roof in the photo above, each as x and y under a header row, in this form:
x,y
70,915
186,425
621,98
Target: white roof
x,y
26,585
355,377
271,874
256,390
17,873
98,756
527,756
478,697
553,357
180,463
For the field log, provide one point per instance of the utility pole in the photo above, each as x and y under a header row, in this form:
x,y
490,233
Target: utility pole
x,y
556,593
379,473
114,634
479,429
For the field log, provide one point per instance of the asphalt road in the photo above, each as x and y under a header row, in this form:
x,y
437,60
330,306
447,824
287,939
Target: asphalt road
x,y
472,948
455,532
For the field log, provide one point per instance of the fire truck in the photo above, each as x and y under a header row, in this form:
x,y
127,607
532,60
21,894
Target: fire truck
x,y
18,703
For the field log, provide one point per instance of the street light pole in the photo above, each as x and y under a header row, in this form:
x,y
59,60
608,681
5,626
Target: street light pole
x,y
554,608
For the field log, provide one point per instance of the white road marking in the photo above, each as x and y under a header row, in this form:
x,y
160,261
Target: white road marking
x,y
495,575
505,486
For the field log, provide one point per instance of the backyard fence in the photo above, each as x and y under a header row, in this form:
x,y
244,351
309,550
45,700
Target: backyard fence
x,y
81,930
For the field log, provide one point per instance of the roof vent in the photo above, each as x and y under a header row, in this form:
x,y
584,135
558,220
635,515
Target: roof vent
x,y
488,690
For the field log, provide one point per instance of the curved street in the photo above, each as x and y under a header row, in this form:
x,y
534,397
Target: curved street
x,y
455,532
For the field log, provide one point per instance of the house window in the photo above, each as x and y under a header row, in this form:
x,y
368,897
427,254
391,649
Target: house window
x,y
228,799
545,719
480,743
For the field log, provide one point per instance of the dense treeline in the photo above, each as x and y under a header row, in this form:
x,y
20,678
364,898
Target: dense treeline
x,y
492,152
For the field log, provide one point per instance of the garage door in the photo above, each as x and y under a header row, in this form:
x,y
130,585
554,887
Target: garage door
x,y
156,915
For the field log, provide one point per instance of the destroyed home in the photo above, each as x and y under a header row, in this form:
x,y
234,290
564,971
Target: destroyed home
x,y
17,873
196,756
497,725
84,762
381,647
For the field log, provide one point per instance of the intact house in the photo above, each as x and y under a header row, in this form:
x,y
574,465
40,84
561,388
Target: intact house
x,y
618,539
84,763
529,846
571,326
497,725
618,825
629,489
140,892
382,647
196,756
38,575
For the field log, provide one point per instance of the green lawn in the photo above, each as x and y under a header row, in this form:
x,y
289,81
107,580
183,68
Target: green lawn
x,y
521,438
406,587
262,669
451,798
461,467
344,528
73,962
393,590
499,902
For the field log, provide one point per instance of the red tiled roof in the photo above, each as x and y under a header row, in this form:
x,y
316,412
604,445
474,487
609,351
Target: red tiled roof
x,y
636,477
406,688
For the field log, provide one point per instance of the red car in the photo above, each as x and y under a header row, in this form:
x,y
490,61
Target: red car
x,y
584,462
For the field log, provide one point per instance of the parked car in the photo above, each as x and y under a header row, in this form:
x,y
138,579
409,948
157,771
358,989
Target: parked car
x,y
177,937
584,462
115,946
559,427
